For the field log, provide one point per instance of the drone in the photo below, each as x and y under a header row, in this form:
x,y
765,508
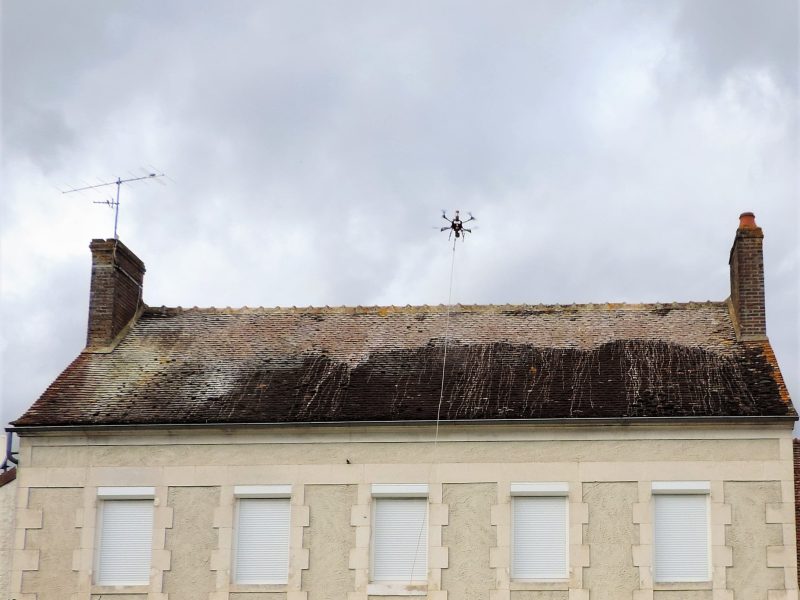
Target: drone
x,y
457,225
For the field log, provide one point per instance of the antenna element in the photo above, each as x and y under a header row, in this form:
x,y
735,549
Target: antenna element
x,y
114,202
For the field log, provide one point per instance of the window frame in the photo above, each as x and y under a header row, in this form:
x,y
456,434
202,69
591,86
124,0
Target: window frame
x,y
112,494
558,489
683,488
260,492
398,492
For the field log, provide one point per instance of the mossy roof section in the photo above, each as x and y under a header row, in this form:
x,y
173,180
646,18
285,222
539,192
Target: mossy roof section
x,y
357,364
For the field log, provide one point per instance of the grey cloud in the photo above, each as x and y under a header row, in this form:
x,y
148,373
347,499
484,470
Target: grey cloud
x,y
722,36
42,135
39,337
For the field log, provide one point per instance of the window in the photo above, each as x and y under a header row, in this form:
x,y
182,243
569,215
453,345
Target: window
x,y
539,531
125,536
261,543
400,533
681,531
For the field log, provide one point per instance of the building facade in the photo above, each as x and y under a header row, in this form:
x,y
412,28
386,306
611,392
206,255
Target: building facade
x,y
592,452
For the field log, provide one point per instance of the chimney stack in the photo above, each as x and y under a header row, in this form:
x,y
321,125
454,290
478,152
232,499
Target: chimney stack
x,y
116,292
747,280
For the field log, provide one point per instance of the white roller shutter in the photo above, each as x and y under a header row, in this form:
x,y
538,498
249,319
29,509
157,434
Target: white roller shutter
x,y
539,537
126,536
262,541
400,539
681,537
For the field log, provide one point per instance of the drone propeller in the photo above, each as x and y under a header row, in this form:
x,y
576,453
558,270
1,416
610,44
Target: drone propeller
x,y
456,225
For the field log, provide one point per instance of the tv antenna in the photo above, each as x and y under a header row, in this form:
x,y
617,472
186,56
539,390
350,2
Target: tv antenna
x,y
113,202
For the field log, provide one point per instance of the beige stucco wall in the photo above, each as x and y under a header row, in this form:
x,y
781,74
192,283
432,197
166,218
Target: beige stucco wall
x,y
54,543
609,471
329,533
8,499
749,535
189,542
468,535
177,455
611,533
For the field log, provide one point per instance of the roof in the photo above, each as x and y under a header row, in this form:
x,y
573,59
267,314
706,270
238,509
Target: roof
x,y
8,476
279,365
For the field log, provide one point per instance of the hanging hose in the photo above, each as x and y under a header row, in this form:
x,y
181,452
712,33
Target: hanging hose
x,y
444,358
441,398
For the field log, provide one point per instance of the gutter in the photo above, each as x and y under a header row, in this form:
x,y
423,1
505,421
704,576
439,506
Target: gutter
x,y
580,422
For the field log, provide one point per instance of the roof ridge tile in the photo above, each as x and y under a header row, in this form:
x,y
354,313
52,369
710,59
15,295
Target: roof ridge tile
x,y
588,306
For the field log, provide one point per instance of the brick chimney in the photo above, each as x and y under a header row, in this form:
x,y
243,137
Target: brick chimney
x,y
116,292
747,280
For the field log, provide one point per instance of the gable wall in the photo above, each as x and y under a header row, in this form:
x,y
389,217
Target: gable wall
x,y
609,471
797,491
8,499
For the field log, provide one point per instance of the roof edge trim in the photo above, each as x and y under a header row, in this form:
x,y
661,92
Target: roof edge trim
x,y
583,422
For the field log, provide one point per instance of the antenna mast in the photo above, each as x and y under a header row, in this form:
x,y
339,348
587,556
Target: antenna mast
x,y
114,203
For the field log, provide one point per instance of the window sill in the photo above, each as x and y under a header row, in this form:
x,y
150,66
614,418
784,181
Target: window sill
x,y
257,587
119,589
539,585
682,586
419,588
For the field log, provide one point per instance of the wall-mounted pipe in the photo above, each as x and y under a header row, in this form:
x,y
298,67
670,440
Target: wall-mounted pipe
x,y
9,458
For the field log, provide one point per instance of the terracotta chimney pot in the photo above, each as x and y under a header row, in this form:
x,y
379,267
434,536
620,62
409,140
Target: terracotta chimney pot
x,y
747,220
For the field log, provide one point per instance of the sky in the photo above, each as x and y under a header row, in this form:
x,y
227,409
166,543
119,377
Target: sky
x,y
606,149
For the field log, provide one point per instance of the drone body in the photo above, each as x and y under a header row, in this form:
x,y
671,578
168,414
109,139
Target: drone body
x,y
457,225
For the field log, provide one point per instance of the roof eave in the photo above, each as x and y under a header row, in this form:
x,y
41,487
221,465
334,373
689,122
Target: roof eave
x,y
576,422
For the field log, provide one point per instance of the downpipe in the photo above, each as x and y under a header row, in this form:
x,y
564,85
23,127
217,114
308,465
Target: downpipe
x,y
10,456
